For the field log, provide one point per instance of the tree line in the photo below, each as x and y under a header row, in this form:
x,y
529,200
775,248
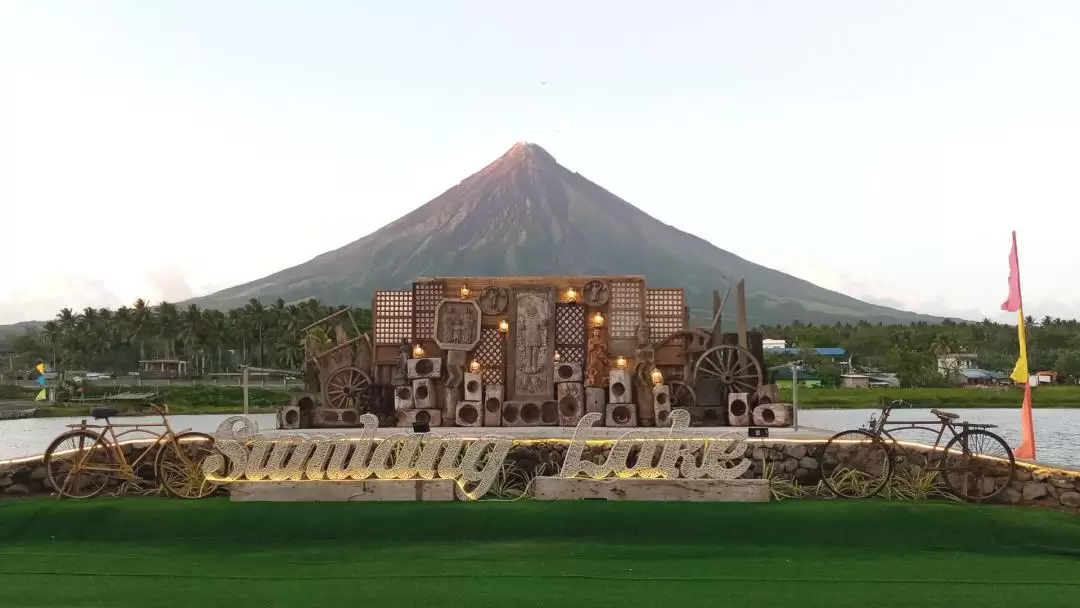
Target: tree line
x,y
270,336
101,339
912,350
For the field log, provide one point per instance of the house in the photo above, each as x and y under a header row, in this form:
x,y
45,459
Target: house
x,y
980,377
161,369
952,362
870,380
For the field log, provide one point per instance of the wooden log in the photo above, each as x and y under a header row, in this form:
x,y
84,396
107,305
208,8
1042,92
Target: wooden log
x,y
343,491
676,490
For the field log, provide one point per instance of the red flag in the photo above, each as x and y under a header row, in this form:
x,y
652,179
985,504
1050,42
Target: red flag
x,y
1014,302
1027,429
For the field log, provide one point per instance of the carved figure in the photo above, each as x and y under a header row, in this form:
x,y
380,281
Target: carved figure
x,y
401,370
644,363
596,293
455,376
493,300
532,345
457,324
597,362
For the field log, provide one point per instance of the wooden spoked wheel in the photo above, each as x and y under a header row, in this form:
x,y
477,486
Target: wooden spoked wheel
x,y
682,394
733,367
347,388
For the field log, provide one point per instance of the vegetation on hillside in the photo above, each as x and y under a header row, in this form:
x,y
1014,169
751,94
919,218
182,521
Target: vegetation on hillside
x,y
269,336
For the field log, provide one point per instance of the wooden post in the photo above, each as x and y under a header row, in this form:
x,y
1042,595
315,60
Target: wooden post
x,y
244,381
740,297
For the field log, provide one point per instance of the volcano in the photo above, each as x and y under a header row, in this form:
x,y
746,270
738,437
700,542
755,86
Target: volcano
x,y
527,215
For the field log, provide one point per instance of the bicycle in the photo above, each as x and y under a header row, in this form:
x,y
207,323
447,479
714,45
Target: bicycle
x,y
976,465
82,462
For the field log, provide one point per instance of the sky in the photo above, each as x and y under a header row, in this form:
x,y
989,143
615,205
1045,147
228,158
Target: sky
x,y
883,149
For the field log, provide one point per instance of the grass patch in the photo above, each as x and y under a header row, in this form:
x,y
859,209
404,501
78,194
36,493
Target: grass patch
x,y
127,552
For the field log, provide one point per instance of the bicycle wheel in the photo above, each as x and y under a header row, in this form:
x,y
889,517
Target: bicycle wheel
x,y
178,465
977,465
78,464
856,464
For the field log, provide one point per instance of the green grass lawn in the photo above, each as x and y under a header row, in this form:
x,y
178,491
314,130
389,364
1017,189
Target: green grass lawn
x,y
142,552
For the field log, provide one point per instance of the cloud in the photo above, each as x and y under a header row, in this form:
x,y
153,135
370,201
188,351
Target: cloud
x,y
169,283
43,301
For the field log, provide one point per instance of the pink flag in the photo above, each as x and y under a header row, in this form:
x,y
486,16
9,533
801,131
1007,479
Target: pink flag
x,y
1014,303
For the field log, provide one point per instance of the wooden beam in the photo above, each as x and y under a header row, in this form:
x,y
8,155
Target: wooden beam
x,y
740,298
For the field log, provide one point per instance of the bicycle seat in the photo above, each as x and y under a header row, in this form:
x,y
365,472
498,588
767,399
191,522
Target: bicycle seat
x,y
947,415
103,412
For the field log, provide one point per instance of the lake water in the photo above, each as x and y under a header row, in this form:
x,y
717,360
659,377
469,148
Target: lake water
x,y
1057,431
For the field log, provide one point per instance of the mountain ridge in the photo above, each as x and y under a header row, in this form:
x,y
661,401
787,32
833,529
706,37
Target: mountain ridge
x,y
525,214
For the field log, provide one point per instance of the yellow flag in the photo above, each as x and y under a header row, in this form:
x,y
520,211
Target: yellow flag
x,y
1020,372
40,367
40,395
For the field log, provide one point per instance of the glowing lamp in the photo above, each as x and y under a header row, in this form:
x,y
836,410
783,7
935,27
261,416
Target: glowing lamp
x,y
474,367
417,351
620,363
657,377
464,291
558,357
598,320
571,295
504,326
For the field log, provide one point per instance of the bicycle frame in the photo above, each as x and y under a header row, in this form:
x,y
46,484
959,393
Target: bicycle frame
x,y
878,428
126,469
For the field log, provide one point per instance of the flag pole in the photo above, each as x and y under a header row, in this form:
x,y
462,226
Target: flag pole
x,y
1026,449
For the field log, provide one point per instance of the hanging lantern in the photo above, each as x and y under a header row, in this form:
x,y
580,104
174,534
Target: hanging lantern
x,y
571,295
657,377
464,291
417,351
474,367
558,357
620,363
504,326
598,320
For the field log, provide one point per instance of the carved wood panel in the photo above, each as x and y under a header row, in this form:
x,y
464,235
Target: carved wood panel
x,y
570,332
664,313
531,344
489,352
426,297
392,316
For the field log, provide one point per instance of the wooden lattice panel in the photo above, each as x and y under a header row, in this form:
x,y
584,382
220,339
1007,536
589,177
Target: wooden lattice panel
x,y
626,308
664,312
425,298
489,352
571,354
393,317
569,324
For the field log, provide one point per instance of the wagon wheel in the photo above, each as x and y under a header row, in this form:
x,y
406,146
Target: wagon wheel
x,y
732,366
682,394
347,388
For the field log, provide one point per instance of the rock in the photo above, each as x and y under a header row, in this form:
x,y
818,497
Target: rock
x,y
1070,499
1011,496
1022,474
802,475
1040,475
791,465
797,451
1034,490
5,480
808,463
38,473
1062,483
17,488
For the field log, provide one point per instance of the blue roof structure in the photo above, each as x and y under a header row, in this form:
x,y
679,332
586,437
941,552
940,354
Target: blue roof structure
x,y
981,374
825,351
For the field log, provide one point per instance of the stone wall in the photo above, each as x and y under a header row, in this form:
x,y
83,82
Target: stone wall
x,y
795,469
